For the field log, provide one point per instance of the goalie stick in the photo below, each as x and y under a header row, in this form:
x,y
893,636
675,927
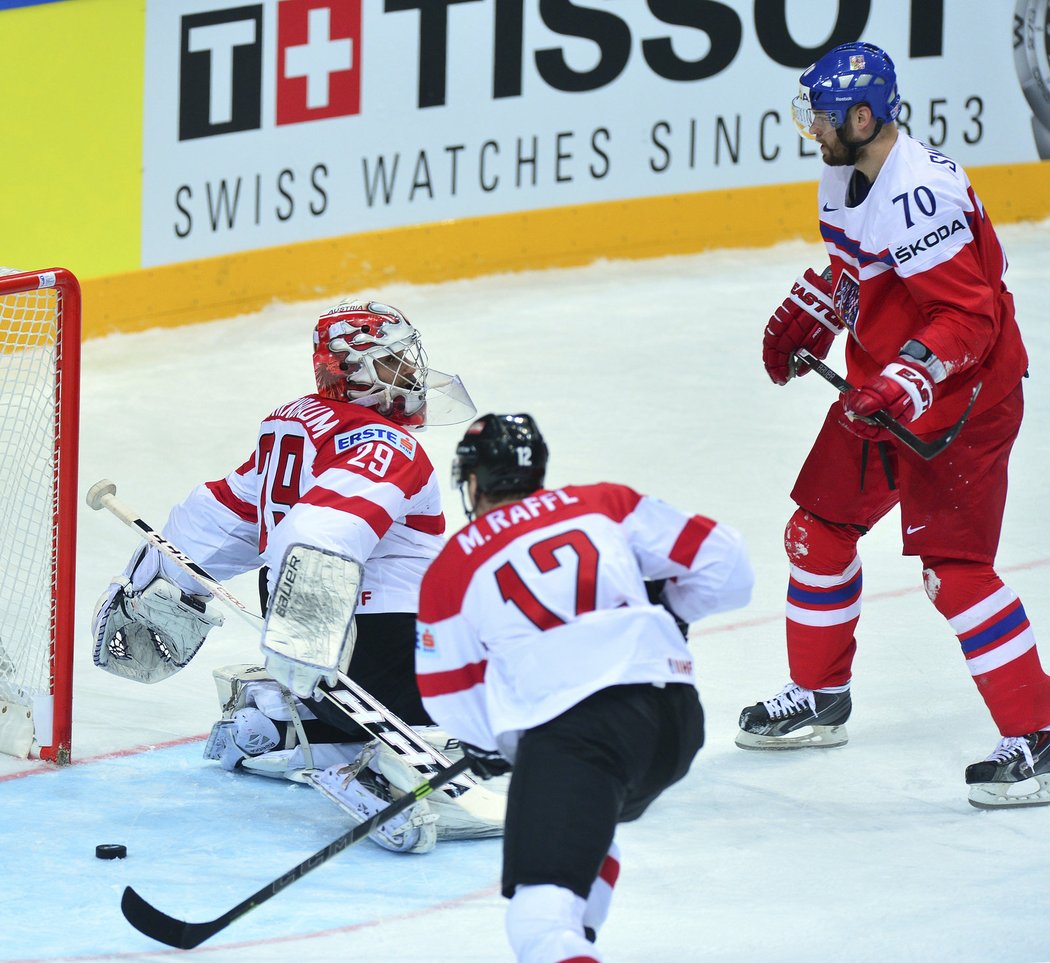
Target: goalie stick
x,y
149,920
353,701
924,449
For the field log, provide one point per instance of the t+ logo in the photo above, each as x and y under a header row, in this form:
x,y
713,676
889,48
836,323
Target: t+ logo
x,y
318,57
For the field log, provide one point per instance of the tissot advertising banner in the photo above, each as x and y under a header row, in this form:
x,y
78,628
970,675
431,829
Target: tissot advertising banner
x,y
287,120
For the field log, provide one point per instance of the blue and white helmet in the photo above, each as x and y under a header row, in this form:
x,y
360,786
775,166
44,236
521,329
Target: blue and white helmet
x,y
851,73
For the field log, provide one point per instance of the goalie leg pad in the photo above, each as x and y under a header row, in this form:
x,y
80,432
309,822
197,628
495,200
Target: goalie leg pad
x,y
244,689
16,729
291,763
361,798
247,733
478,813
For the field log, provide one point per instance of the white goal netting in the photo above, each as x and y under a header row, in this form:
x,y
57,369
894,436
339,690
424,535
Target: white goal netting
x,y
31,456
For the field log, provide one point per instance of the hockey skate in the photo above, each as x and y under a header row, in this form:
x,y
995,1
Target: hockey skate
x,y
361,793
1017,773
796,718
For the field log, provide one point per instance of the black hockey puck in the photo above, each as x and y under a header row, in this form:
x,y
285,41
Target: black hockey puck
x,y
111,851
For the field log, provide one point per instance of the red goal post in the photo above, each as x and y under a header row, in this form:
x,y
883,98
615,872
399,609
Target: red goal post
x,y
39,436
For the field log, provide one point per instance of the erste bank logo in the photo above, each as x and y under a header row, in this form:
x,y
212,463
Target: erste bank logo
x,y
317,70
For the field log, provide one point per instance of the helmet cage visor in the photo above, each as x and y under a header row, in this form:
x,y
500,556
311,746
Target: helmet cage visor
x,y
812,123
387,378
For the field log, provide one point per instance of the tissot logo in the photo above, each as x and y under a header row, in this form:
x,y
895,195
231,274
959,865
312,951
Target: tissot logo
x,y
318,53
221,68
220,72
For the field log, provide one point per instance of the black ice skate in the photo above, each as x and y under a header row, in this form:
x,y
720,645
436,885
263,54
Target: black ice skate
x,y
1016,774
796,718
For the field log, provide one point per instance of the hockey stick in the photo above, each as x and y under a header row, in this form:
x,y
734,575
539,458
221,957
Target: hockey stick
x,y
924,449
355,702
149,920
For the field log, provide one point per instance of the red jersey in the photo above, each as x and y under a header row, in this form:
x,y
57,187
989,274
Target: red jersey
x,y
918,258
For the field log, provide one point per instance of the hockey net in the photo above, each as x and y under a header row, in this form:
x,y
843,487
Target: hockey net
x,y
39,426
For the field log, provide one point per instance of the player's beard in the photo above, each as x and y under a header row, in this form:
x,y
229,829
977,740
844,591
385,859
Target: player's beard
x,y
835,154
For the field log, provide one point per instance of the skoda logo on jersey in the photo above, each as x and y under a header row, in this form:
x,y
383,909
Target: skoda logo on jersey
x,y
383,434
909,250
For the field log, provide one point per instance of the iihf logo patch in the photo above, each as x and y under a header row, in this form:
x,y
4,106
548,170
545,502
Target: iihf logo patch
x,y
847,300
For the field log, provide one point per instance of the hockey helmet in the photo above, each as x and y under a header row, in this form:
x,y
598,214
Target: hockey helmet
x,y
506,453
849,74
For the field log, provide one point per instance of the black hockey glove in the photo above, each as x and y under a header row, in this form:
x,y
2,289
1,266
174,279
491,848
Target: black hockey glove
x,y
485,763
654,589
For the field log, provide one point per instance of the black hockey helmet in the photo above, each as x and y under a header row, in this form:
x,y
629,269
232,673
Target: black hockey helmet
x,y
506,453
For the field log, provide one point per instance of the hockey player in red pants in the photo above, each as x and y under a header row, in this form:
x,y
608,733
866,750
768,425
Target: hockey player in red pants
x,y
916,277
539,647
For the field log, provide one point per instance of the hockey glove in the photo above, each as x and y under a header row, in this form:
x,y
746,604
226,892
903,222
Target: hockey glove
x,y
654,588
904,390
806,319
485,763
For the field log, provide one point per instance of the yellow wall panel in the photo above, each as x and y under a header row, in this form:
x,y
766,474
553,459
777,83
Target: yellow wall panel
x,y
71,76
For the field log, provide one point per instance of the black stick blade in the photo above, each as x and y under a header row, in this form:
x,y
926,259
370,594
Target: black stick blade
x,y
149,920
159,926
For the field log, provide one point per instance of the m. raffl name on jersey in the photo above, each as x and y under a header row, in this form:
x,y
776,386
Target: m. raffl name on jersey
x,y
501,519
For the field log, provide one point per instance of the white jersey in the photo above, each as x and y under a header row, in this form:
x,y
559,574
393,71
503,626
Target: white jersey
x,y
329,474
918,257
539,604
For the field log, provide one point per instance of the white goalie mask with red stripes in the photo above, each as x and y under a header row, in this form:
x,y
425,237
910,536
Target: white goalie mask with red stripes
x,y
368,353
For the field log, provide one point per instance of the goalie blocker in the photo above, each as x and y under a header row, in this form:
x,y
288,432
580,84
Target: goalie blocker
x,y
308,636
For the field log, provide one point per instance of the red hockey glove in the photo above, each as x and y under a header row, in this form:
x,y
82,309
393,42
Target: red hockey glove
x,y
904,390
806,319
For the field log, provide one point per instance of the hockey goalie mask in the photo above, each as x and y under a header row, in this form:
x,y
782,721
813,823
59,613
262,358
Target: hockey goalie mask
x,y
368,353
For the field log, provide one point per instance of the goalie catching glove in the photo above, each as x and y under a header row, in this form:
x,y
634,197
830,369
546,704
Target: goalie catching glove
x,y
806,319
309,633
146,627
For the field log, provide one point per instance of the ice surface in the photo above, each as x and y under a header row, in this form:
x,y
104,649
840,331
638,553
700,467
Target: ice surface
x,y
646,373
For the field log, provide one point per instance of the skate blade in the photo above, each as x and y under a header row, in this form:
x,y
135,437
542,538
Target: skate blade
x,y
811,737
1011,795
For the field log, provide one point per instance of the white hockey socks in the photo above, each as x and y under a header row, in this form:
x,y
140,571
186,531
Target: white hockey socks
x,y
545,923
599,899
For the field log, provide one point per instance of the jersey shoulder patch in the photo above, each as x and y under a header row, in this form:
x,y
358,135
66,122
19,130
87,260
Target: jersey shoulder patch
x,y
399,440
